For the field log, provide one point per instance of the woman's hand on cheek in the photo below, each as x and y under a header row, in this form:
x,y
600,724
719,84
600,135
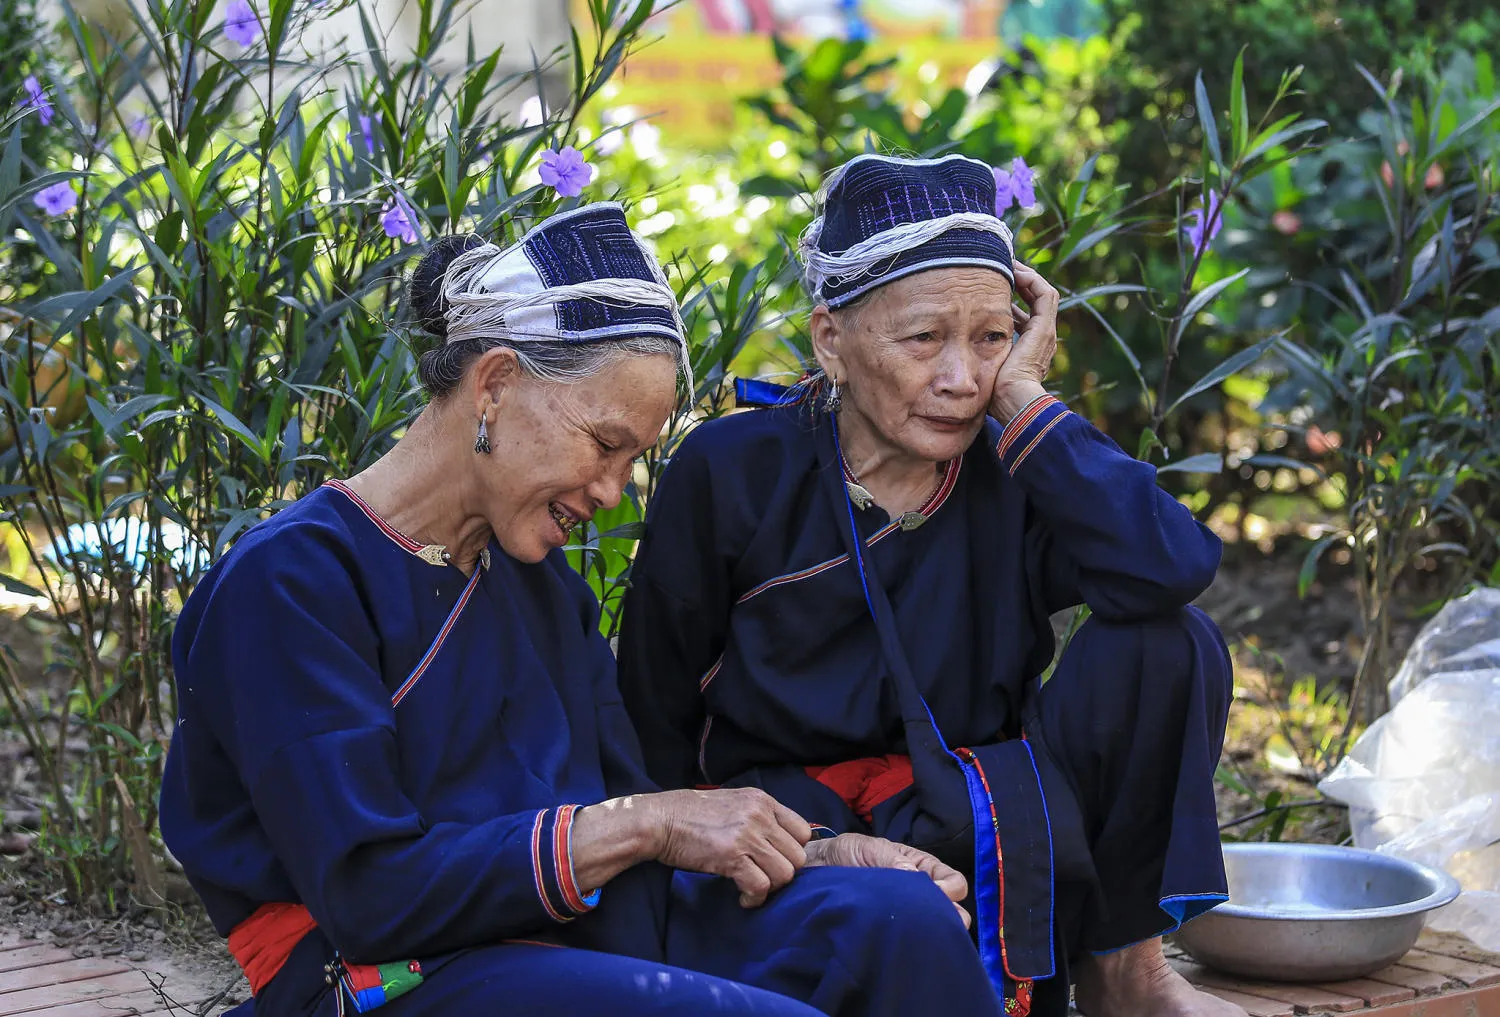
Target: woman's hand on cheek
x,y
1020,378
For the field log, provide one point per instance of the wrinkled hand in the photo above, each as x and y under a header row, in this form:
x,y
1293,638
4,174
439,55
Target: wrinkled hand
x,y
859,851
742,834
1020,377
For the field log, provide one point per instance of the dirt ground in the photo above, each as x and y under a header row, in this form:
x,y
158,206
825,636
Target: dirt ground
x,y
176,949
1294,661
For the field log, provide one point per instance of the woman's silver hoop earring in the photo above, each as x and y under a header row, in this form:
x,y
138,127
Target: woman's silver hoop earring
x,y
833,401
482,441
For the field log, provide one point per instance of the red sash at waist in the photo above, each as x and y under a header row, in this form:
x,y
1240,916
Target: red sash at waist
x,y
262,943
865,783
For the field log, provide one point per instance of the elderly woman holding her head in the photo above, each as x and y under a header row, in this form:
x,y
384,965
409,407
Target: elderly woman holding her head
x,y
844,600
402,775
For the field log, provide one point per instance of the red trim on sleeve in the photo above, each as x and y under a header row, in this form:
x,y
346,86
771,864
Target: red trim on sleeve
x,y
564,859
1019,423
536,868
1021,457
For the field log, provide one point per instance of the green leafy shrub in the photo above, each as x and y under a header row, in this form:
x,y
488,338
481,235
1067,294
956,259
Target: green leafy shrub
x,y
1172,40
1384,255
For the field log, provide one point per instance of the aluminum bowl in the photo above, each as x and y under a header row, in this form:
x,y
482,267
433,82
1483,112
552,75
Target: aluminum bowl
x,y
1315,913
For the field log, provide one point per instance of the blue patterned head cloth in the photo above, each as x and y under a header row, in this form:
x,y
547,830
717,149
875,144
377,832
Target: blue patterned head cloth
x,y
882,218
579,276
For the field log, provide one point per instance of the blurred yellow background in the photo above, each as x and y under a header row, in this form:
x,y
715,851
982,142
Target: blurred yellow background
x,y
707,54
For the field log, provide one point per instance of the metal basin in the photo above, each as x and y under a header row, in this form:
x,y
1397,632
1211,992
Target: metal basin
x,y
1315,913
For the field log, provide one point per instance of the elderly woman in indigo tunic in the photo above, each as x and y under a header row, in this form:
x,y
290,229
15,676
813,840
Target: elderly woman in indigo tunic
x,y
844,599
403,777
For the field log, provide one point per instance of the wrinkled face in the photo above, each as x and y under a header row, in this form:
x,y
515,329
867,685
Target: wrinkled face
x,y
564,451
918,357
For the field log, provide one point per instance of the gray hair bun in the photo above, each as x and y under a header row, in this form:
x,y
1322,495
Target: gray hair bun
x,y
427,281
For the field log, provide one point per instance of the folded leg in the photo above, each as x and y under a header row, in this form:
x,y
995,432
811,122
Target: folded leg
x,y
523,980
849,942
1130,726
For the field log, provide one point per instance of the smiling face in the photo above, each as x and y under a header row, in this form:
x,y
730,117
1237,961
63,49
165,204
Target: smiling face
x,y
562,452
917,359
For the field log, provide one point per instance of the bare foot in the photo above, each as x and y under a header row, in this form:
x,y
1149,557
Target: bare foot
x,y
1138,982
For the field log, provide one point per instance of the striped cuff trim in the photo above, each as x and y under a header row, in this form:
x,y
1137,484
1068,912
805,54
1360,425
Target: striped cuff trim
x,y
1019,422
578,901
1030,427
552,865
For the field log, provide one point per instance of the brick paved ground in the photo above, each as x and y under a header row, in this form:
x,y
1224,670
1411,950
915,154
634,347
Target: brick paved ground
x,y
1446,976
50,981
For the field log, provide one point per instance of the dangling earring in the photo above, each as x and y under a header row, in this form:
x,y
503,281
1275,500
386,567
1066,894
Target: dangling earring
x,y
482,441
832,401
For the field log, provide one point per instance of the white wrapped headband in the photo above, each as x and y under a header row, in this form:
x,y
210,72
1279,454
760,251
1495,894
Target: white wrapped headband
x,y
819,267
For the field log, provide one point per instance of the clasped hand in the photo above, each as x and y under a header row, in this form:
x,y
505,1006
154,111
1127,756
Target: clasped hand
x,y
745,835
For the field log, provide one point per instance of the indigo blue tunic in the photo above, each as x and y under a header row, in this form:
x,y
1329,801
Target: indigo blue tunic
x,y
751,654
397,747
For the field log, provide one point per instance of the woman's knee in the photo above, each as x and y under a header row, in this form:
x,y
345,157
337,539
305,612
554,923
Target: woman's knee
x,y
1203,656
1182,649
900,907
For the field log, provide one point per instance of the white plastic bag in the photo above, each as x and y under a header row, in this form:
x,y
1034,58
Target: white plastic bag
x,y
1463,636
1423,782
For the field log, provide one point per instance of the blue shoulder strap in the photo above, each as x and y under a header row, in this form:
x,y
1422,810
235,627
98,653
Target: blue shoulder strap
x,y
752,392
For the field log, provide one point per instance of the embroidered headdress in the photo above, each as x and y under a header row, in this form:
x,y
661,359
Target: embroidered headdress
x,y
882,218
579,276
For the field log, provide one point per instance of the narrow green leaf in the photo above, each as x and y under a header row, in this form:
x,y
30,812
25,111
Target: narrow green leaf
x,y
1229,779
1266,142
1149,442
1233,365
771,187
1122,346
234,425
1209,293
1206,120
15,585
1464,128
1309,570
1239,117
1443,547
1084,176
81,304
10,166
1083,296
1087,242
1206,462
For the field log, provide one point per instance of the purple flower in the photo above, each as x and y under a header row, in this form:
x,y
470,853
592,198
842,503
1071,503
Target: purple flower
x,y
1023,182
1015,186
366,132
36,98
57,199
1005,191
398,220
566,172
140,127
240,23
1199,229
